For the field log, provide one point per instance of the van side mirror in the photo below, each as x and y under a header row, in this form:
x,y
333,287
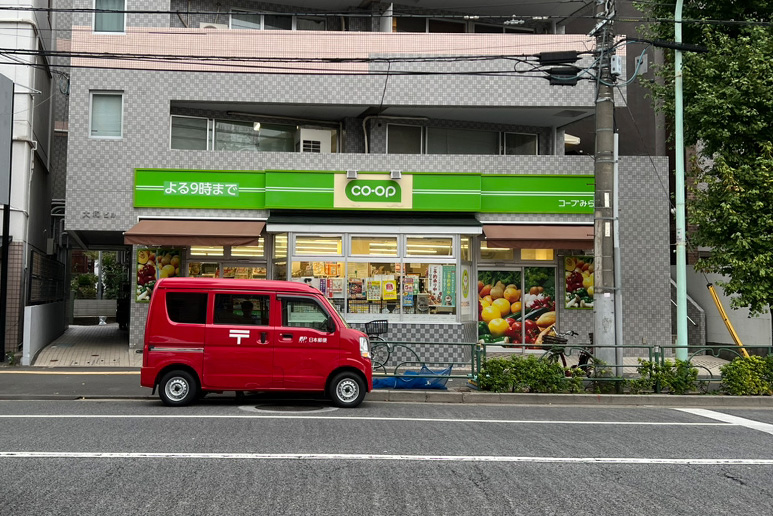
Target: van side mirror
x,y
330,325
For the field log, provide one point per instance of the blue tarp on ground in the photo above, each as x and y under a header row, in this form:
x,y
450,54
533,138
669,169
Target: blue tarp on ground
x,y
421,379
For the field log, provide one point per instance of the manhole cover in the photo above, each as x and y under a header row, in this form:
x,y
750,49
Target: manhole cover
x,y
294,408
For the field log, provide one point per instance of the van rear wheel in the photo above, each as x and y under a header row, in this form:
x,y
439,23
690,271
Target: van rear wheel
x,y
178,388
347,390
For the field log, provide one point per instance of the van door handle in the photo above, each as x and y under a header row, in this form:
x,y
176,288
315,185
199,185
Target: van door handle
x,y
264,337
287,335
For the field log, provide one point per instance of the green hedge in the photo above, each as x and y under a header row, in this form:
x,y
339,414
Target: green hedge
x,y
752,376
527,374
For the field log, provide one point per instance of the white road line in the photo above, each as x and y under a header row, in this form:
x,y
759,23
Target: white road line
x,y
356,418
74,373
374,457
733,420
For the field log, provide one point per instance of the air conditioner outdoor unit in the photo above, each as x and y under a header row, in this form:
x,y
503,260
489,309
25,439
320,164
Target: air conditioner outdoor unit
x,y
207,25
314,140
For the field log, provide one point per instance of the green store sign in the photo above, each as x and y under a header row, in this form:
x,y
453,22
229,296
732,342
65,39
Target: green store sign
x,y
330,190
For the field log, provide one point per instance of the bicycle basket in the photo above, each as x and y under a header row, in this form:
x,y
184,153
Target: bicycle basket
x,y
554,340
379,327
554,343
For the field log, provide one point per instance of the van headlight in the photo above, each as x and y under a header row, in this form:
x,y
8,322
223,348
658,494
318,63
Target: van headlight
x,y
364,347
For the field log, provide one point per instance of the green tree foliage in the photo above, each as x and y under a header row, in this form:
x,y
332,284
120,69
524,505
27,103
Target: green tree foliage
x,y
728,115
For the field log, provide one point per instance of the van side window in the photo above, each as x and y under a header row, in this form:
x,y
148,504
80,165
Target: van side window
x,y
187,307
244,308
303,313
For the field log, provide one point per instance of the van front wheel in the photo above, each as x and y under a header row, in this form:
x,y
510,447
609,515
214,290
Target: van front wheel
x,y
178,388
347,390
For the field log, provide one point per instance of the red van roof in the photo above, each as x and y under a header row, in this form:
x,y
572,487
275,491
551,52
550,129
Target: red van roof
x,y
234,284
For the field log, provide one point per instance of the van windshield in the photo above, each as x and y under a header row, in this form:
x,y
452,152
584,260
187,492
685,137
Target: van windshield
x,y
346,324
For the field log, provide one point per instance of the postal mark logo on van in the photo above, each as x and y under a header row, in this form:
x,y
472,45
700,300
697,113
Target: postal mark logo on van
x,y
239,335
314,340
373,190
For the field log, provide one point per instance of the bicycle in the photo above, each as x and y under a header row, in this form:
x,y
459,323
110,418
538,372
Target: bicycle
x,y
382,351
379,348
557,351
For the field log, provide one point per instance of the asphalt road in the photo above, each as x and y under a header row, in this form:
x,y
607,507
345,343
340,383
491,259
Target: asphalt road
x,y
224,456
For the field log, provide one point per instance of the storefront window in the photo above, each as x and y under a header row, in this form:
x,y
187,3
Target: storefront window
x,y
280,245
207,250
373,287
536,254
429,288
328,277
428,246
374,246
248,251
465,248
315,245
498,254
203,270
244,272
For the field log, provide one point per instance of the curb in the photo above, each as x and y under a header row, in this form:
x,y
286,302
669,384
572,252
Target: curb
x,y
619,400
487,398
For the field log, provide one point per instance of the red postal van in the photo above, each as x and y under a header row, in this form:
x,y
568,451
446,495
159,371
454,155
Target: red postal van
x,y
250,335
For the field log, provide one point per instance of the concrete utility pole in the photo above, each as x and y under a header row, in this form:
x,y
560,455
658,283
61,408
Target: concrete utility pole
x,y
604,171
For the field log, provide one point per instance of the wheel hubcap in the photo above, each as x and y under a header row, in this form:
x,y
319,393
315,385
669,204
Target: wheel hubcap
x,y
348,390
176,389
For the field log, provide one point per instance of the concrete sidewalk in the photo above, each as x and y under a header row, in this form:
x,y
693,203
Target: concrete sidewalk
x,y
90,346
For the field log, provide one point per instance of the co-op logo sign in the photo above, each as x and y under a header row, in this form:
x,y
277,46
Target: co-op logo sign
x,y
373,190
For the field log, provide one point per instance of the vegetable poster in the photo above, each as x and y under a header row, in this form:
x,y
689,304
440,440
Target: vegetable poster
x,y
578,277
152,265
509,314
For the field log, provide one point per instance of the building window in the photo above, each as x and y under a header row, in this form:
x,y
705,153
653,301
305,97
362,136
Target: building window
x,y
419,24
106,115
194,133
404,139
245,20
518,144
251,21
190,133
461,141
105,21
310,23
445,26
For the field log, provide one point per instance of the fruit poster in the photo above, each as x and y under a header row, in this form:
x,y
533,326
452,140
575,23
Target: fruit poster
x,y
509,314
578,281
152,265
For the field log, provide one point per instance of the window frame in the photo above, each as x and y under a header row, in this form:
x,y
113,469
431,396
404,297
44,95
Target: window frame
x,y
422,138
210,131
504,143
104,93
122,32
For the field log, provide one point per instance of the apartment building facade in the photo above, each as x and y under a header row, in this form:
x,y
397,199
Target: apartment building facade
x,y
33,306
409,162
